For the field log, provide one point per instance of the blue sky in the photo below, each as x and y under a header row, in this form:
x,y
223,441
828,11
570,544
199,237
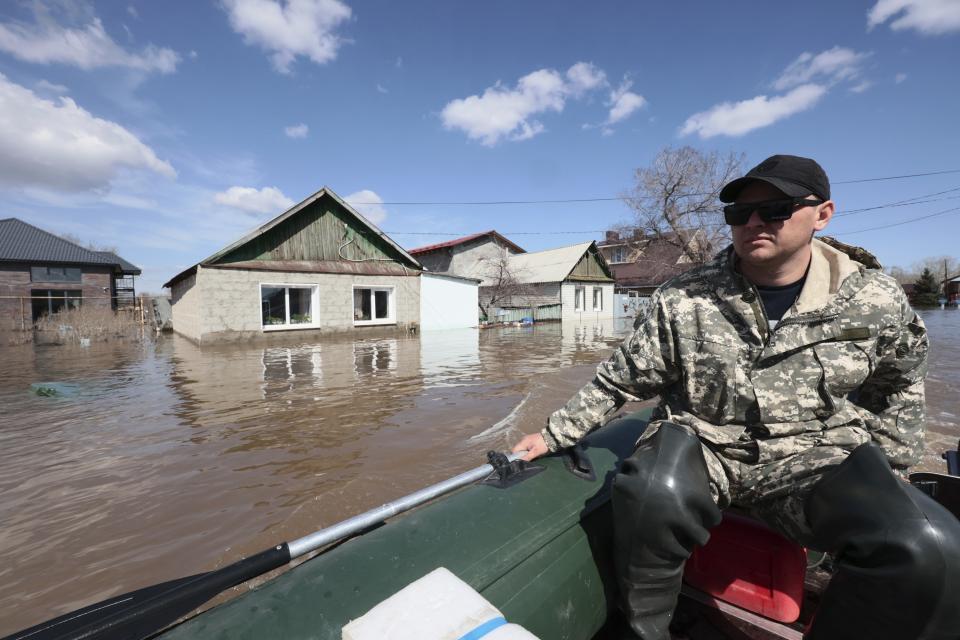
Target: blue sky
x,y
169,129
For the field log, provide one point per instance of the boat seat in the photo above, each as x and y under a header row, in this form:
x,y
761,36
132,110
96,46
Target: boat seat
x,y
748,564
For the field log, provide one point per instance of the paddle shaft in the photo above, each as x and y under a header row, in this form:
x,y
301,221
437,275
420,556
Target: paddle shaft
x,y
147,611
358,523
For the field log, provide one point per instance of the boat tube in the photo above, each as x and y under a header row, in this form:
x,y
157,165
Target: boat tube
x,y
537,549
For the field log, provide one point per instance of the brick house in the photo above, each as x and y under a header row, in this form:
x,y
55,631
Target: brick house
x,y
641,263
318,267
41,273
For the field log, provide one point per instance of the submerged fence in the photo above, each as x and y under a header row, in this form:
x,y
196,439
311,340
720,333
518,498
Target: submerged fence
x,y
539,314
24,312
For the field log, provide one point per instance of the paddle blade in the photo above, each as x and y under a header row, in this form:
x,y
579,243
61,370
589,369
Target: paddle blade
x,y
144,612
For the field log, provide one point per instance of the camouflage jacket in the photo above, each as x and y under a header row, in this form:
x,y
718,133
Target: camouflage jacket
x,y
843,366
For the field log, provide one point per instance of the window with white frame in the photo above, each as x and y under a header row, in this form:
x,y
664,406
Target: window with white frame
x,y
288,306
579,298
619,254
598,298
373,305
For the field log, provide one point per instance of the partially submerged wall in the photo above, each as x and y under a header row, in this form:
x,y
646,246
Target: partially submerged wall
x,y
230,308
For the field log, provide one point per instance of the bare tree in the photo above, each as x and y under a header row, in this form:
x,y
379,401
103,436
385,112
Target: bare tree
x,y
675,200
75,239
942,268
502,283
900,274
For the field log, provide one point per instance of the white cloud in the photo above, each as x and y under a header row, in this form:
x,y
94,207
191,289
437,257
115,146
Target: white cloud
x,y
928,17
381,88
87,46
369,204
830,66
290,28
267,200
297,130
806,80
623,102
583,77
900,77
57,144
509,113
736,119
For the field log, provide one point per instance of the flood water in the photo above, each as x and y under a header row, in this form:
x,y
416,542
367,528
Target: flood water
x,y
162,459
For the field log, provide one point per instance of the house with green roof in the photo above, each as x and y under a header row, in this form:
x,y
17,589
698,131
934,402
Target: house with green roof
x,y
319,268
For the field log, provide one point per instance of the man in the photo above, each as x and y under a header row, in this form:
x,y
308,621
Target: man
x,y
774,364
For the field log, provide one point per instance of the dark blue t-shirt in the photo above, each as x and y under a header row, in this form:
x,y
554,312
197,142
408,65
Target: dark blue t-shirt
x,y
776,300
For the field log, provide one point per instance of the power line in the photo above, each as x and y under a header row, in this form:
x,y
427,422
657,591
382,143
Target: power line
x,y
889,205
911,175
618,198
902,203
898,224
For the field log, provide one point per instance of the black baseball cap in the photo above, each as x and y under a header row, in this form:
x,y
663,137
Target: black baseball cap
x,y
795,176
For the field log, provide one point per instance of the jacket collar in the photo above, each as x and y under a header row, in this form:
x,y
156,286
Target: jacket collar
x,y
829,268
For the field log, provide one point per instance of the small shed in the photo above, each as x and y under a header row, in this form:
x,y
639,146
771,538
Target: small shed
x,y
570,283
951,289
448,301
320,266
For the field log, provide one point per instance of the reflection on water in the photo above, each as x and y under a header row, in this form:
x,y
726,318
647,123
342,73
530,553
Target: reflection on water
x,y
170,459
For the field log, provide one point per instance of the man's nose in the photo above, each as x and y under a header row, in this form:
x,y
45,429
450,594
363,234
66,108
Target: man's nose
x,y
755,220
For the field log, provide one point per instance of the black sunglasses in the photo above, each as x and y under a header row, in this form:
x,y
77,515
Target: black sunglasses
x,y
768,210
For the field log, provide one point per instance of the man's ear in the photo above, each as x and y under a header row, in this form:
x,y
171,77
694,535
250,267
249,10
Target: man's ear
x,y
824,213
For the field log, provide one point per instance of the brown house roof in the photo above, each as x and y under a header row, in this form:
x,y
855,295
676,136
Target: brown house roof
x,y
464,240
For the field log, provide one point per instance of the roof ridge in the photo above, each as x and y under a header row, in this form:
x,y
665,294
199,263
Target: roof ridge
x,y
57,238
566,246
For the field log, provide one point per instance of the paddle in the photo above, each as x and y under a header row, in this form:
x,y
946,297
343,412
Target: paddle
x,y
147,611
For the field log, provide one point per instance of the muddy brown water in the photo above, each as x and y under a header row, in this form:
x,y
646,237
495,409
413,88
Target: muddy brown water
x,y
161,459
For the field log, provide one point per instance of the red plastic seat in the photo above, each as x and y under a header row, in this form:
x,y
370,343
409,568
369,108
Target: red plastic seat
x,y
751,566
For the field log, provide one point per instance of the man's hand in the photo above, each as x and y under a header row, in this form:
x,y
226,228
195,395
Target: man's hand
x,y
533,444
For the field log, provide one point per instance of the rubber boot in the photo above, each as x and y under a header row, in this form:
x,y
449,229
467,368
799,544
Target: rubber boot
x,y
897,555
662,509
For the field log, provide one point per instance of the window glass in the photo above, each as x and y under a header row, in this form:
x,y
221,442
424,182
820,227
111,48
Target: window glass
x,y
597,299
300,298
361,304
372,304
382,299
273,305
578,298
48,301
55,274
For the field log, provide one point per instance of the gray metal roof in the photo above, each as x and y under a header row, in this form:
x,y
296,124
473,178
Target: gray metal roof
x,y
551,265
22,242
126,267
